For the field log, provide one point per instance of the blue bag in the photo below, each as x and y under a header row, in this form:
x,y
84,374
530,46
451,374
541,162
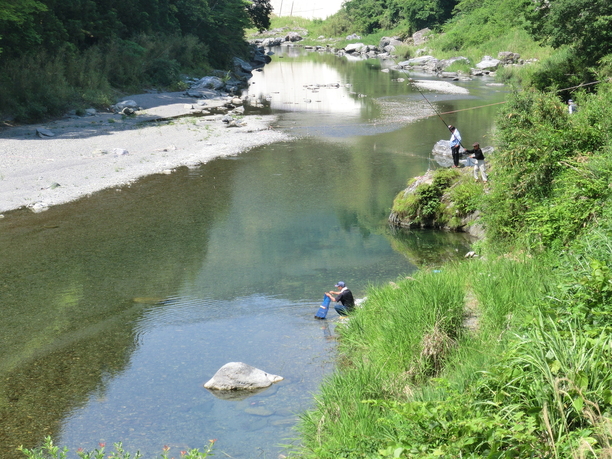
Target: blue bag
x,y
322,312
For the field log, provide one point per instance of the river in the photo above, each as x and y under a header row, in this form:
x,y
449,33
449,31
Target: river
x,y
118,307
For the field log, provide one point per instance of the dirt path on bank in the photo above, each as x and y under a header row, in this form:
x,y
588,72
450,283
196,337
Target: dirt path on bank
x,y
86,154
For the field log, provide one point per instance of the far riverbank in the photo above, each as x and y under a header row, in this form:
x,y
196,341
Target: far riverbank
x,y
86,154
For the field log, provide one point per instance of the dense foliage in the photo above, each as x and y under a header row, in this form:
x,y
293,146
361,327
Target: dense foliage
x,y
369,16
552,171
56,54
53,24
583,24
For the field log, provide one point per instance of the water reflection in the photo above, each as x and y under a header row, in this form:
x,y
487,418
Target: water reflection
x,y
305,86
117,308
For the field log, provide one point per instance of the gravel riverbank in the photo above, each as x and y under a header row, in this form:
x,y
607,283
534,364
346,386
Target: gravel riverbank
x,y
85,154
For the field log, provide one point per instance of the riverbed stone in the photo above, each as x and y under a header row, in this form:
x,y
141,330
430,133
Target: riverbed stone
x,y
42,133
488,63
240,376
259,411
421,36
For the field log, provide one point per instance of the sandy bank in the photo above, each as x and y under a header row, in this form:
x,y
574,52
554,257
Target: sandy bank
x,y
88,154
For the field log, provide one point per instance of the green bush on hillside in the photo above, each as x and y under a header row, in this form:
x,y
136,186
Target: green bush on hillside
x,y
444,202
552,170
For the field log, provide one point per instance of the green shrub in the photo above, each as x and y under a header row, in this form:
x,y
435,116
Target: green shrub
x,y
50,451
551,171
466,195
41,85
163,72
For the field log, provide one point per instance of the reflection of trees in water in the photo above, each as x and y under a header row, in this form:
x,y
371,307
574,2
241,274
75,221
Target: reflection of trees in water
x,y
41,392
429,248
70,275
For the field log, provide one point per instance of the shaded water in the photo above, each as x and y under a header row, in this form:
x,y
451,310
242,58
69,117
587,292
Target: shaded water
x,y
118,307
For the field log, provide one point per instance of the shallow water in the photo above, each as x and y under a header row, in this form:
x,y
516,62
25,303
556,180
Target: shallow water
x,y
117,308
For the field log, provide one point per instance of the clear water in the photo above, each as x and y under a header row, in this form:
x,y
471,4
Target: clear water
x,y
117,308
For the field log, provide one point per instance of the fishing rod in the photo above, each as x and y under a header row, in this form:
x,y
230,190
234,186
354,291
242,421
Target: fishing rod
x,y
433,108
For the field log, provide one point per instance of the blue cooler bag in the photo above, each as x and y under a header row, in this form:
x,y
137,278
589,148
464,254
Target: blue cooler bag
x,y
322,312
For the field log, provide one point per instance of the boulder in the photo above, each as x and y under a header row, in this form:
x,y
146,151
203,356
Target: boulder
x,y
488,63
417,61
421,36
355,48
508,58
42,133
209,82
240,376
444,63
293,37
387,43
125,103
202,93
268,42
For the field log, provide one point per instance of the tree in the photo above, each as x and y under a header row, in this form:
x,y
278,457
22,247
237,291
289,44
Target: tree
x,y
18,10
259,11
18,15
586,25
427,13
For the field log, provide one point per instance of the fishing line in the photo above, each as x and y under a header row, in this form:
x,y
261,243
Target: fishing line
x,y
422,95
432,107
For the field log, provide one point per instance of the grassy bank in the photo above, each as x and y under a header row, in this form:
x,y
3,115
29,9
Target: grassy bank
x,y
506,355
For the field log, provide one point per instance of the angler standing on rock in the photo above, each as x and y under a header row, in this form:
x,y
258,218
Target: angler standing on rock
x,y
455,143
477,154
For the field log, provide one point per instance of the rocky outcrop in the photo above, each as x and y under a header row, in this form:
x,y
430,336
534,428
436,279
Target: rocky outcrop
x,y
447,216
421,37
222,82
488,63
441,153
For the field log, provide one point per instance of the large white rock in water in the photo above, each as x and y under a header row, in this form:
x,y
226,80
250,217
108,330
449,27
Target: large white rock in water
x,y
240,376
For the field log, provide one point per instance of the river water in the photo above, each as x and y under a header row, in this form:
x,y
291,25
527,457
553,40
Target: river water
x,y
117,308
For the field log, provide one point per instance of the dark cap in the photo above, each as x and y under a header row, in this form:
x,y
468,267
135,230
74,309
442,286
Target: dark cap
x,y
340,284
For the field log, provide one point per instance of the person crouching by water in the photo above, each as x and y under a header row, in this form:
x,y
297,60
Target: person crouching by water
x,y
477,154
455,143
345,297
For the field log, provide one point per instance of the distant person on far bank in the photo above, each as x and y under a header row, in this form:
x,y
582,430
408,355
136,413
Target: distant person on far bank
x,y
455,143
477,154
344,297
571,106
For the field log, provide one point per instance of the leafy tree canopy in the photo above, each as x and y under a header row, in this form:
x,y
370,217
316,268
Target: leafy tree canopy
x,y
26,25
259,11
583,24
369,16
18,10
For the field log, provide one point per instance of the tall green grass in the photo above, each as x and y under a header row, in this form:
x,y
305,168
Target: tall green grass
x,y
403,334
40,85
509,289
413,381
397,318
